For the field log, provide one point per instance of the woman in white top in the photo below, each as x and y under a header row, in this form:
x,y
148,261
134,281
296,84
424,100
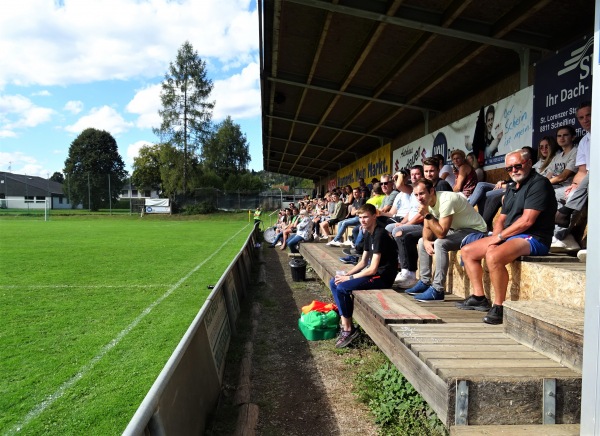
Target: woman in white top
x,y
562,168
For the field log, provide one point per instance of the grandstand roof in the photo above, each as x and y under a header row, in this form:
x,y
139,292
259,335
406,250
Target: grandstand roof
x,y
339,78
20,185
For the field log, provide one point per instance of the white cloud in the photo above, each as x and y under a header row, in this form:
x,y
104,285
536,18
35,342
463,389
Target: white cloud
x,y
21,163
44,93
146,104
134,150
73,106
103,118
17,111
70,42
238,95
7,134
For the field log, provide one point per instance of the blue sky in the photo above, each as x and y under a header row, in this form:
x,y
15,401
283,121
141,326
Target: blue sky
x,y
73,64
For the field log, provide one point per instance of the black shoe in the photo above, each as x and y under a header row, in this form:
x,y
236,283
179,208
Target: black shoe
x,y
473,303
562,220
349,251
494,316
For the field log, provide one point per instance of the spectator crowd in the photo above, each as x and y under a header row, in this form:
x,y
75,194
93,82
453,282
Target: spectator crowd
x,y
398,224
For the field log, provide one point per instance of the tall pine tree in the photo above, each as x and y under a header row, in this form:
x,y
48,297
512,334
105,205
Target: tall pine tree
x,y
186,111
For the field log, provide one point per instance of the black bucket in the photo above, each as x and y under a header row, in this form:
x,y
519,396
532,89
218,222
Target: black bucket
x,y
298,270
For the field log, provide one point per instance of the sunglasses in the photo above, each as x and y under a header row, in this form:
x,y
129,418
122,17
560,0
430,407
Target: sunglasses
x,y
512,168
386,183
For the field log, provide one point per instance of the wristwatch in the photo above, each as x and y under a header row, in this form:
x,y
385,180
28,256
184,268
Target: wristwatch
x,y
500,236
429,216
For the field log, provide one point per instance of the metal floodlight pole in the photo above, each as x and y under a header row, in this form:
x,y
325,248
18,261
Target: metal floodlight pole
x,y
89,194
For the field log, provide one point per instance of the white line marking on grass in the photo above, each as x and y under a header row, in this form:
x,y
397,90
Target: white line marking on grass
x,y
153,285
50,399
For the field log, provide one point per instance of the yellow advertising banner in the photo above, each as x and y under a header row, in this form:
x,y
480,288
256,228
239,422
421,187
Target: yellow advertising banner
x,y
372,165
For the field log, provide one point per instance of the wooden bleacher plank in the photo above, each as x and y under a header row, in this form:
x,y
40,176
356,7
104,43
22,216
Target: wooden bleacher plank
x,y
510,373
515,430
462,327
442,336
493,363
472,354
552,330
510,348
446,310
389,307
409,341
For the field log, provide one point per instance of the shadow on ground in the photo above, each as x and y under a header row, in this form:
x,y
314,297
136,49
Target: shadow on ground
x,y
301,387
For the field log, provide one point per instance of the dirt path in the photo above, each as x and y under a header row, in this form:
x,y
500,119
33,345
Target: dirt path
x,y
300,387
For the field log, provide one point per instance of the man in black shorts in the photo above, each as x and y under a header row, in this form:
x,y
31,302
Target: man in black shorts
x,y
524,228
379,273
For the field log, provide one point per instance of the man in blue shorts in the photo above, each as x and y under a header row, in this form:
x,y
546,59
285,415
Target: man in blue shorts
x,y
376,270
524,228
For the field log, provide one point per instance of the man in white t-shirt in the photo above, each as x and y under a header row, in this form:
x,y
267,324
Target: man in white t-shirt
x,y
449,218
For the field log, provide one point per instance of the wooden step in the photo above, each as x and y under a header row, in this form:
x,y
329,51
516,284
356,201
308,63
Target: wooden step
x,y
557,278
515,430
553,330
505,379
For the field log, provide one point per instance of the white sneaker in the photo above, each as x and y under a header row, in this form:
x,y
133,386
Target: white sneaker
x,y
334,243
566,245
582,255
324,238
278,244
409,280
399,277
347,243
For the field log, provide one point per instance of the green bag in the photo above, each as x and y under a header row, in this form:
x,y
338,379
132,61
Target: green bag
x,y
316,326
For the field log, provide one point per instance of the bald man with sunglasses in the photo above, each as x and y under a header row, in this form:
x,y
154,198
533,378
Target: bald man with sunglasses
x,y
524,228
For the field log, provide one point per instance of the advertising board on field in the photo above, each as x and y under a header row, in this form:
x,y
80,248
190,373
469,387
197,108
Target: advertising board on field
x,y
157,205
219,331
504,126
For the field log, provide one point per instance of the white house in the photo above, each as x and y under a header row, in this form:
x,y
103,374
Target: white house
x,y
20,191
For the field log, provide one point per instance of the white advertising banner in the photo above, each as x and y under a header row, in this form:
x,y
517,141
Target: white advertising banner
x,y
489,133
157,205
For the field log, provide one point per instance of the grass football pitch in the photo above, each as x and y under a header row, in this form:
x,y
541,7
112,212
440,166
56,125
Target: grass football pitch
x,y
92,308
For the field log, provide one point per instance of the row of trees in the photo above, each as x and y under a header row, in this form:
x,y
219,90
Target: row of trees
x,y
192,153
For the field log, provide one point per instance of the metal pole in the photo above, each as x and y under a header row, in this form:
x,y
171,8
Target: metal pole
x,y
109,196
89,195
48,186
26,192
590,392
280,198
130,206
